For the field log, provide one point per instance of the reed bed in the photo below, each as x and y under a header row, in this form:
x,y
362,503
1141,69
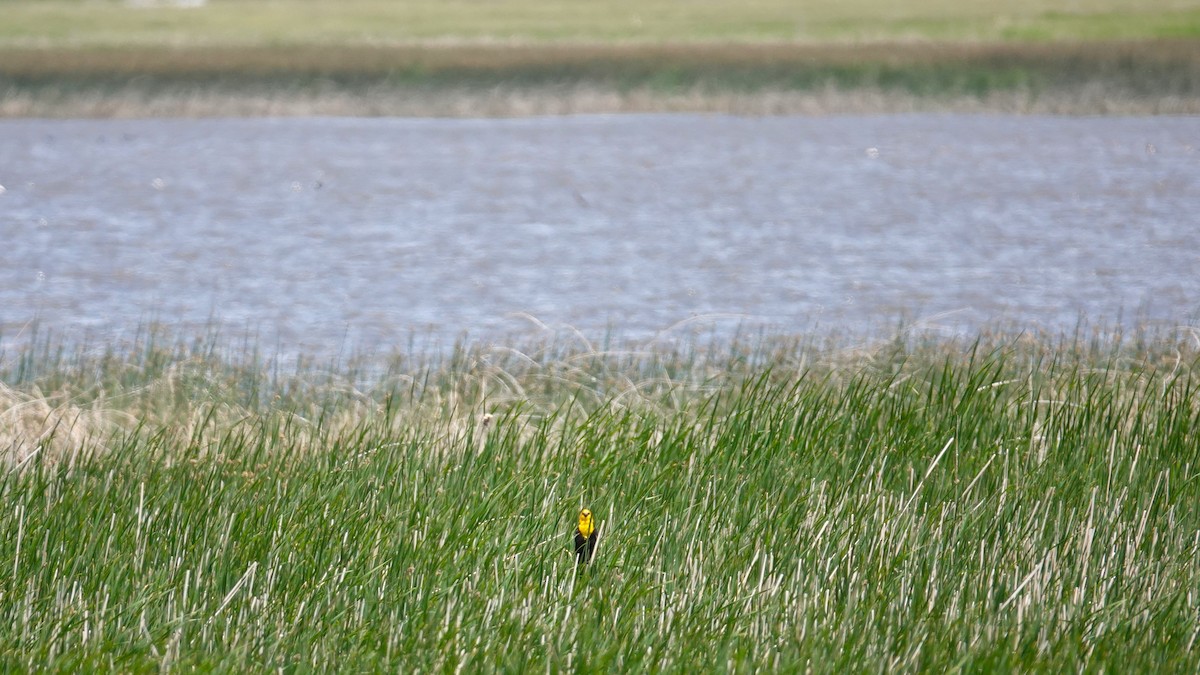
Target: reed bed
x,y
1161,76
1007,502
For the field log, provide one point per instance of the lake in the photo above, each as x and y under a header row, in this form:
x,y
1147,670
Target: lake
x,y
317,233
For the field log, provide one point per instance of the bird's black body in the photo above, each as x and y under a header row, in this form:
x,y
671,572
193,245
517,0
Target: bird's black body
x,y
584,547
585,537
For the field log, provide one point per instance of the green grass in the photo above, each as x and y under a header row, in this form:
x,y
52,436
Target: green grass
x,y
73,23
1005,503
519,57
1088,78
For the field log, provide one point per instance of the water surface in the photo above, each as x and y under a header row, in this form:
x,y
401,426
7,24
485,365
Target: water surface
x,y
315,232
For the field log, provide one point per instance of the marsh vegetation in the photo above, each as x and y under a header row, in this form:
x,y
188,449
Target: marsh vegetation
x,y
1001,502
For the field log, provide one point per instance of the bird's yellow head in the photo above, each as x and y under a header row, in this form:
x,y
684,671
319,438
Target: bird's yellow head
x,y
586,525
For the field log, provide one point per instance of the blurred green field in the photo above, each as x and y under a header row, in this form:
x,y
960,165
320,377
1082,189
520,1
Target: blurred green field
x,y
520,57
275,22
1010,503
1161,77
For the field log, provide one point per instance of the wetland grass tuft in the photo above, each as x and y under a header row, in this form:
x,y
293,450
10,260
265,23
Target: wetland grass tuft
x,y
1011,503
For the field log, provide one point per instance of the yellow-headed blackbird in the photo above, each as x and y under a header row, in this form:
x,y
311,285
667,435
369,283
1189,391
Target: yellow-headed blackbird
x,y
585,537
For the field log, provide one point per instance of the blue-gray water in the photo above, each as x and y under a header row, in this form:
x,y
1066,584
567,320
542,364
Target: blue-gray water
x,y
318,232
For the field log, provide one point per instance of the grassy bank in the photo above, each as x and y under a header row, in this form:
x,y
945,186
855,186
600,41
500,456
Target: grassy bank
x,y
1001,503
421,57
1077,78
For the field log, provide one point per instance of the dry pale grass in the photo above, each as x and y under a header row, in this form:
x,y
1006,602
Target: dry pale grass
x,y
192,406
51,429
506,101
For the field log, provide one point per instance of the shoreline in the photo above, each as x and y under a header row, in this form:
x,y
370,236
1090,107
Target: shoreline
x,y
517,80
512,102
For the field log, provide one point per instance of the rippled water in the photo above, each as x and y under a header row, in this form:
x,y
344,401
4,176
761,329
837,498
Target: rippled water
x,y
314,232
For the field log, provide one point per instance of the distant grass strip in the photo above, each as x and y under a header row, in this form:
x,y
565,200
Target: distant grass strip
x,y
65,23
110,58
479,79
1002,503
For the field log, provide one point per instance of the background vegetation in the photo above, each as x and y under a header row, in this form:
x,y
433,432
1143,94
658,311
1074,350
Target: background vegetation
x,y
274,22
517,56
1007,502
